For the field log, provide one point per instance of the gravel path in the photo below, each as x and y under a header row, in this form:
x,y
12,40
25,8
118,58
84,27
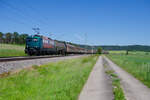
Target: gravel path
x,y
98,86
134,89
13,65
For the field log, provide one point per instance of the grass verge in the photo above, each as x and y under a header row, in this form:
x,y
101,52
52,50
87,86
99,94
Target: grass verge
x,y
55,81
7,50
117,90
137,65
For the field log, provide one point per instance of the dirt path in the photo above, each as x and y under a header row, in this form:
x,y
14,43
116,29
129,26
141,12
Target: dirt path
x,y
98,86
134,89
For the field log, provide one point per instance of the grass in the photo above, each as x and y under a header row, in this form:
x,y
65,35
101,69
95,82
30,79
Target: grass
x,y
7,50
55,81
117,52
123,52
117,90
138,65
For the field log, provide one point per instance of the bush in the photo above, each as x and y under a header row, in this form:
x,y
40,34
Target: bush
x,y
99,50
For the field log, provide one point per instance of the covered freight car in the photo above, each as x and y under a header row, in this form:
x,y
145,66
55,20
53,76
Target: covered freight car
x,y
71,49
48,46
61,47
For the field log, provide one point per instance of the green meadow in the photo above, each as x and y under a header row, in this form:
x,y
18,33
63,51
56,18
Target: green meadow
x,y
130,52
7,50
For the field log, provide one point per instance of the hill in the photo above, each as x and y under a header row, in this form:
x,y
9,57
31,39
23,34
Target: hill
x,y
116,47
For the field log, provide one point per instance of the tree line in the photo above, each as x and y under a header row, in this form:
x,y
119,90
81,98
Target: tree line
x,y
145,48
12,38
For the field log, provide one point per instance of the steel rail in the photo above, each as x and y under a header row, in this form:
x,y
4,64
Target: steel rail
x,y
6,59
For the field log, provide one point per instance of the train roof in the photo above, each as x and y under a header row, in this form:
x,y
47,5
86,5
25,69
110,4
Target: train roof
x,y
39,36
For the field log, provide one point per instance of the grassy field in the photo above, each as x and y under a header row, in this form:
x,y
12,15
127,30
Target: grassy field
x,y
7,50
138,65
55,81
130,52
117,52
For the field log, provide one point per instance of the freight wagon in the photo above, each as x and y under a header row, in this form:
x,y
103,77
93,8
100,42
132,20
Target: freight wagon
x,y
61,47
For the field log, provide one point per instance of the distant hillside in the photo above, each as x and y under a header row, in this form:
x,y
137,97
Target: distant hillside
x,y
129,47
116,47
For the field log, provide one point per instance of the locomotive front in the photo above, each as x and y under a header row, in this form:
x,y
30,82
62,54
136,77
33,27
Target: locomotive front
x,y
33,45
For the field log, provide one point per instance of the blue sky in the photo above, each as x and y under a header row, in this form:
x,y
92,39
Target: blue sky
x,y
94,22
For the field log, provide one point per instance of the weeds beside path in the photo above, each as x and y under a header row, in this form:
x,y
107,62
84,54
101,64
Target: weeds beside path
x,y
117,89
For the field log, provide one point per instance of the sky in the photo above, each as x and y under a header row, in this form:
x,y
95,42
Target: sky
x,y
93,22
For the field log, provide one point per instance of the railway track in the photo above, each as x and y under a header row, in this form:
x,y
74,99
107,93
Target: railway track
x,y
7,59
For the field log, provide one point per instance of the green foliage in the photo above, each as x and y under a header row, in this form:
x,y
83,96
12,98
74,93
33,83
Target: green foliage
x,y
120,48
12,38
55,81
128,47
99,50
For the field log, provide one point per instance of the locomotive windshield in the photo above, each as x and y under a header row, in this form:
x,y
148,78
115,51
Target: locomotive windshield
x,y
31,40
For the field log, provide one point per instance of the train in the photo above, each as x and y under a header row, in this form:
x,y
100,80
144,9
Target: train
x,y
40,45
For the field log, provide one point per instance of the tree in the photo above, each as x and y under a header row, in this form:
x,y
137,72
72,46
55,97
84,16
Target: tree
x,y
99,50
1,37
127,52
22,38
8,38
15,37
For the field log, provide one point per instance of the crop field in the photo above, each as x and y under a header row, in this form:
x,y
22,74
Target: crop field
x,y
55,81
117,52
137,64
7,50
130,52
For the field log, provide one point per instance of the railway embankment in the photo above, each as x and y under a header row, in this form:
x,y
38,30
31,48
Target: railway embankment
x,y
6,67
